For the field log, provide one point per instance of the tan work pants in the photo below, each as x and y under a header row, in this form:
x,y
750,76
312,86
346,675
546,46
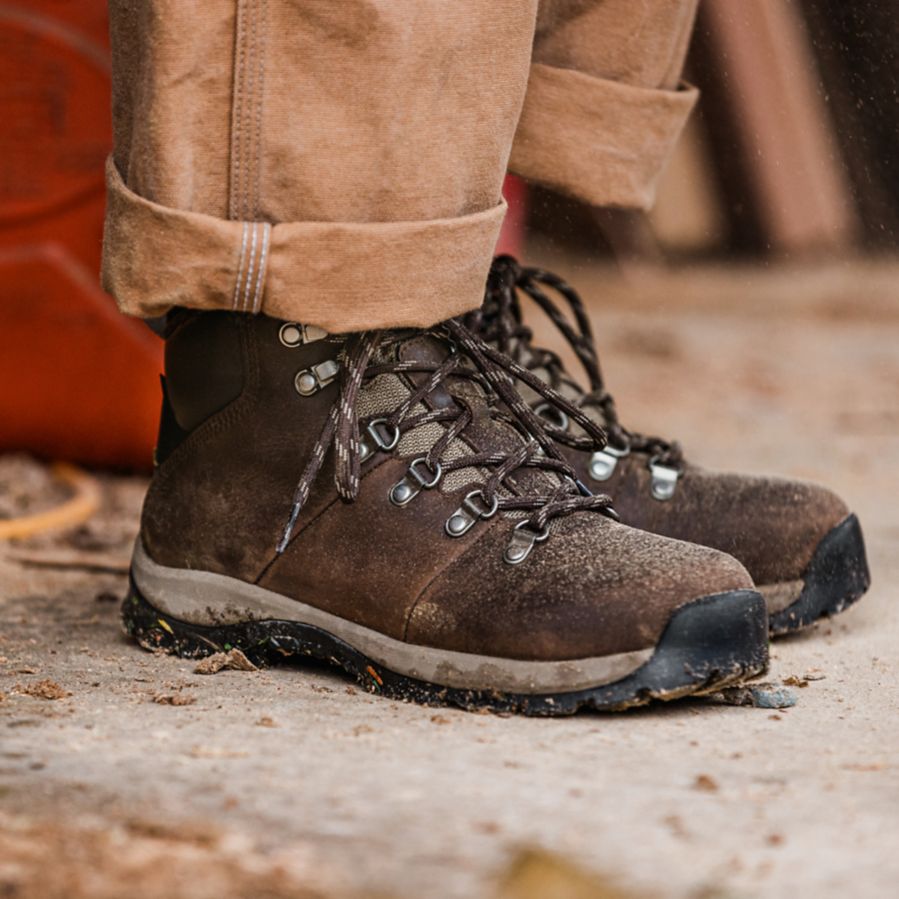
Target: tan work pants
x,y
340,162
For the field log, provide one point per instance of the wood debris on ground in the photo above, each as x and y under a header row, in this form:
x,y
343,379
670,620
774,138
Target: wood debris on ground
x,y
43,689
233,659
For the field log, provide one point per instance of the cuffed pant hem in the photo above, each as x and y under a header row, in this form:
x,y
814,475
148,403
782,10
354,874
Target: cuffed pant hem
x,y
336,275
601,141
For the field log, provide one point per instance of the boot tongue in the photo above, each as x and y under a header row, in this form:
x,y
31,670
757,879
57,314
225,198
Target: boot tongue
x,y
426,348
423,346
487,433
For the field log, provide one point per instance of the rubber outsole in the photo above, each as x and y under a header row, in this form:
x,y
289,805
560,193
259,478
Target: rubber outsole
x,y
707,643
837,576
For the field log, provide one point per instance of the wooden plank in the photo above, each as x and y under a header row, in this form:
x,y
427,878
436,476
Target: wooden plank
x,y
777,123
856,45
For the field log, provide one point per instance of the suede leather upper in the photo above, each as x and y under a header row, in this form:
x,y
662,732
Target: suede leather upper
x,y
772,525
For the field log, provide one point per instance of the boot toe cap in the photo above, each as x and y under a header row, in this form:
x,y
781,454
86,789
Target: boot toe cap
x,y
594,588
772,525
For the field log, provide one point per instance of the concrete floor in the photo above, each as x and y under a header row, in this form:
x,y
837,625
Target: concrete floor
x,y
181,784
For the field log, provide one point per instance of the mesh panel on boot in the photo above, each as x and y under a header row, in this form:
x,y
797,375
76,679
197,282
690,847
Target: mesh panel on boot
x,y
382,395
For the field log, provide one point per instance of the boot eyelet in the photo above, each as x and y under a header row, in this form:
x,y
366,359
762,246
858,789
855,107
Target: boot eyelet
x,y
290,334
293,334
664,480
311,380
523,539
486,510
604,461
385,435
462,520
404,491
457,524
436,473
553,416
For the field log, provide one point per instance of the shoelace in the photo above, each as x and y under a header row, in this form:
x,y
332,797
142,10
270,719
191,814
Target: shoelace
x,y
468,358
499,323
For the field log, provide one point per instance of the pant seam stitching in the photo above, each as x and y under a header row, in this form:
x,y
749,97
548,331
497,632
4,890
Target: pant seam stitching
x,y
246,293
266,236
237,114
249,211
240,265
261,18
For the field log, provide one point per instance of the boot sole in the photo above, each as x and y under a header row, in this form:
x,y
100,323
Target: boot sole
x,y
836,577
710,642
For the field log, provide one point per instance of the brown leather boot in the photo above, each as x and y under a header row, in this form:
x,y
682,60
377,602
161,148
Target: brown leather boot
x,y
386,502
799,542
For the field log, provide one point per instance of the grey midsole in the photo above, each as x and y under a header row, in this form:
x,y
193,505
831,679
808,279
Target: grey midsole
x,y
209,599
780,595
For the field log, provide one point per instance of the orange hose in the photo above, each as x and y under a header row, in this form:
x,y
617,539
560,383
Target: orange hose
x,y
73,511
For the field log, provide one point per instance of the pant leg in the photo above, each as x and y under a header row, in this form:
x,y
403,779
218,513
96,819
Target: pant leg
x,y
336,162
604,107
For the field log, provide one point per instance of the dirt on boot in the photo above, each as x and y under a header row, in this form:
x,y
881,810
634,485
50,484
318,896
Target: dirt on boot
x,y
387,502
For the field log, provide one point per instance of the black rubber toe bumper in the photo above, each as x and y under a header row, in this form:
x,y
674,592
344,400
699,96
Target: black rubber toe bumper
x,y
836,577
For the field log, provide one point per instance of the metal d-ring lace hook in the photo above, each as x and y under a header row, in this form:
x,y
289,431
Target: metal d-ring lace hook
x,y
553,416
470,511
405,490
523,539
378,428
603,462
664,479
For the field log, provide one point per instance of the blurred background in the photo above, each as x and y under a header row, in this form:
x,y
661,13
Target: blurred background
x,y
792,151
